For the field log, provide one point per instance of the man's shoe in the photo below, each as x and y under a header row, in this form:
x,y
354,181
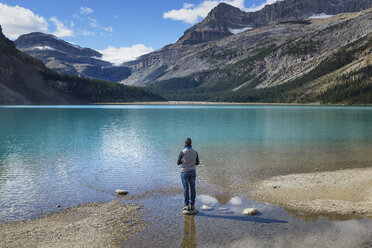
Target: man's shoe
x,y
186,208
192,207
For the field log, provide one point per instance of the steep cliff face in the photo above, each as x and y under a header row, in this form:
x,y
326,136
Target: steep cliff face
x,y
21,81
64,57
325,61
224,19
228,35
219,23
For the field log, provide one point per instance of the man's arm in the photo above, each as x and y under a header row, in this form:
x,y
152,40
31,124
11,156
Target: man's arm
x,y
197,159
179,160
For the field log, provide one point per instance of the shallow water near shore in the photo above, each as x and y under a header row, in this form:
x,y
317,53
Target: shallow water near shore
x,y
69,155
225,226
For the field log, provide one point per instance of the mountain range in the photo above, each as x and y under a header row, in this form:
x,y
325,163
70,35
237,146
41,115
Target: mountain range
x,y
26,80
293,52
289,51
68,58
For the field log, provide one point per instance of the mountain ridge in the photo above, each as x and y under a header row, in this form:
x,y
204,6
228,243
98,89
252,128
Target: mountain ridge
x,y
207,61
224,17
26,80
65,57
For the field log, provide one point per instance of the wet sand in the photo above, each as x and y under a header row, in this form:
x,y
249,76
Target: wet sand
x,y
88,225
343,192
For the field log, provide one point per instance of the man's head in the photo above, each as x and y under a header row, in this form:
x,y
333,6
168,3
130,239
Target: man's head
x,y
188,142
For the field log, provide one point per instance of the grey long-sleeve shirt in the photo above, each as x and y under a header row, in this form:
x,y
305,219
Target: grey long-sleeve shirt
x,y
188,158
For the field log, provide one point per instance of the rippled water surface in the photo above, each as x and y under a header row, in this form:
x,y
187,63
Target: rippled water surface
x,y
68,155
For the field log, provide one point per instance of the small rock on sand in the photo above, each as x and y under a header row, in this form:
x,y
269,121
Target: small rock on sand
x,y
121,192
250,211
206,207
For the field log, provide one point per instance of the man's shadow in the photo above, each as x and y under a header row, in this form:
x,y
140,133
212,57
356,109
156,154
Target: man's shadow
x,y
256,219
188,232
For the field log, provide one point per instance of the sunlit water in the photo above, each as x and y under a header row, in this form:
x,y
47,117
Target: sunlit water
x,y
69,155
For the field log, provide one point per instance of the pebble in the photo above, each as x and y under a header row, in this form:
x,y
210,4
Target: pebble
x,y
121,192
206,207
250,211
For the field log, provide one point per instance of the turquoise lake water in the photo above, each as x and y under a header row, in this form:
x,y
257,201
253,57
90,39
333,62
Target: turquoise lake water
x,y
69,155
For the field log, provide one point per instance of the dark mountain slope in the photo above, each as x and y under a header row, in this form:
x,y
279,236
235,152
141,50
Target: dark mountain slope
x,y
26,80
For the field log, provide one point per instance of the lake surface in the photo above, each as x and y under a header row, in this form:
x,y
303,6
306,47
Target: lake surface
x,y
69,155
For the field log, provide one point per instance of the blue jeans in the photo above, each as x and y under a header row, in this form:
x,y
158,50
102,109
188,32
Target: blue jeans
x,y
188,181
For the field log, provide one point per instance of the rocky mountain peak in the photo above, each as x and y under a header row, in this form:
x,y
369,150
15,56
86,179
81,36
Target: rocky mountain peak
x,y
39,41
225,20
218,24
5,44
223,10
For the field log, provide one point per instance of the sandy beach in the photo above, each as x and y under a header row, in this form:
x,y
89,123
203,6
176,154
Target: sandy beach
x,y
88,225
336,193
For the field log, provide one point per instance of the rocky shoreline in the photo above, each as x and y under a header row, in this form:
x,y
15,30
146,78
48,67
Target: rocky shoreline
x,y
336,193
89,225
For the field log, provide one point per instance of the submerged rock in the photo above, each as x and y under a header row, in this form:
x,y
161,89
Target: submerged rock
x,y
250,211
206,207
121,192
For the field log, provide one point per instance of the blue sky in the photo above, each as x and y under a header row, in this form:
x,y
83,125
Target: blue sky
x,y
132,25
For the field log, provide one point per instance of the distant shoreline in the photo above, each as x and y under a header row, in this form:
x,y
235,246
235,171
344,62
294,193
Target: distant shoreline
x,y
201,103
226,103
197,103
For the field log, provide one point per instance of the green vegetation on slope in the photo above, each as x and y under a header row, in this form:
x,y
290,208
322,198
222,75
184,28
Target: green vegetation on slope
x,y
95,90
353,88
356,90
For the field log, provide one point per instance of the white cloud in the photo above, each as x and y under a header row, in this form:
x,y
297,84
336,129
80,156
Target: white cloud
x,y
261,6
191,13
61,29
188,5
118,55
108,29
93,22
85,10
87,33
16,20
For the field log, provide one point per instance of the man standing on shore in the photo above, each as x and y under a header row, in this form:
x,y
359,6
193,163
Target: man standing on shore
x,y
188,158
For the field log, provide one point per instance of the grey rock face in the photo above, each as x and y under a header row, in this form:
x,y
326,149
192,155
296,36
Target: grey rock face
x,y
210,45
223,18
64,57
33,40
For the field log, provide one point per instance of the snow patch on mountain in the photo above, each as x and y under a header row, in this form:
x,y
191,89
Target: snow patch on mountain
x,y
239,30
320,16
